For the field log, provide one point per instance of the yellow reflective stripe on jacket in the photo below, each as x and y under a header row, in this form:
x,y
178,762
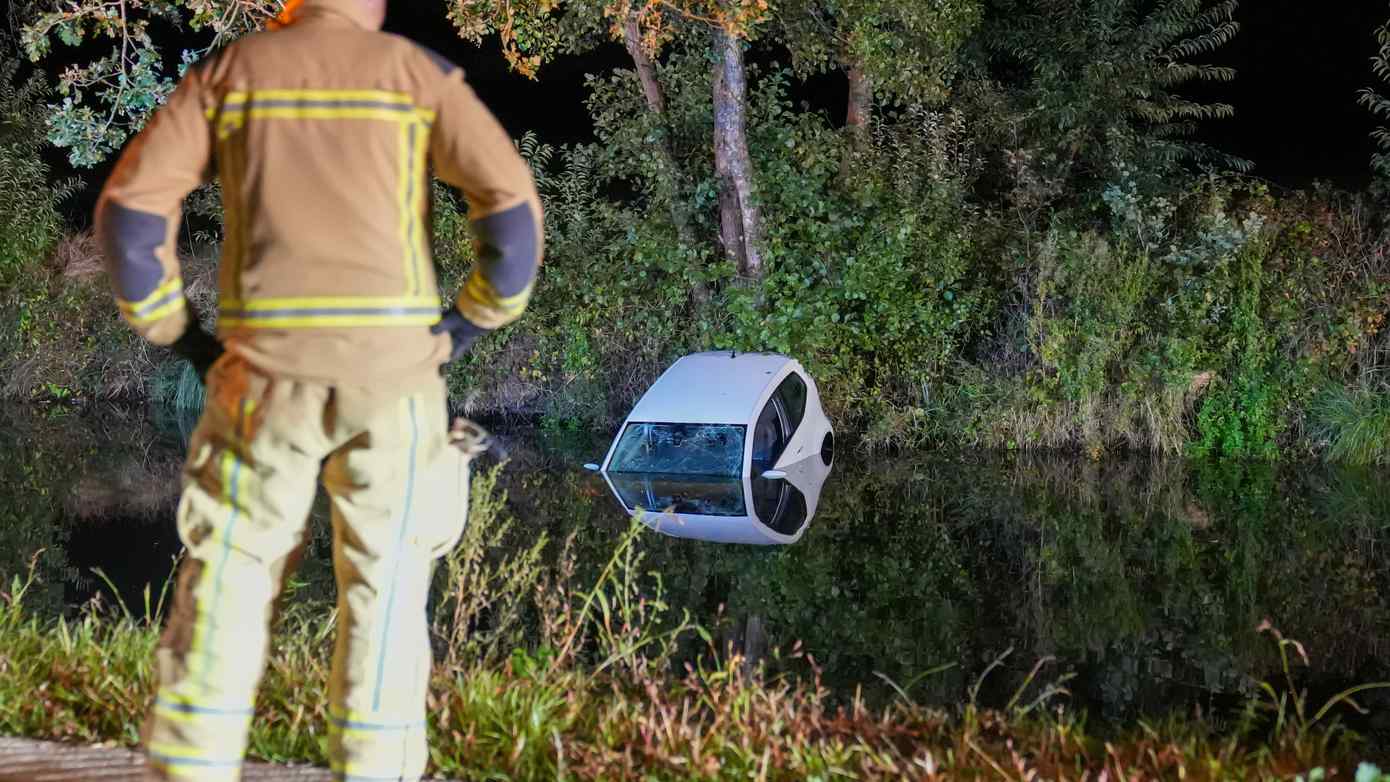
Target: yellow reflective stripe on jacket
x,y
232,166
328,311
413,145
480,302
326,112
380,96
169,286
381,105
164,301
320,104
304,302
419,176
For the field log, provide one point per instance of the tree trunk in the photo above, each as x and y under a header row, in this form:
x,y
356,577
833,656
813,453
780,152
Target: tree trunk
x,y
740,228
861,101
858,112
672,177
646,70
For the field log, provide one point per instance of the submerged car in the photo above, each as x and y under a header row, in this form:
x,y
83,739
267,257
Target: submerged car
x,y
726,447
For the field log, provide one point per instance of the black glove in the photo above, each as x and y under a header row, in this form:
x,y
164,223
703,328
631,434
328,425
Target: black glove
x,y
198,347
461,330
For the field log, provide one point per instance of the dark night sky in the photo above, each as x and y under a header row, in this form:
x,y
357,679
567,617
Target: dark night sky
x,y
553,106
1300,65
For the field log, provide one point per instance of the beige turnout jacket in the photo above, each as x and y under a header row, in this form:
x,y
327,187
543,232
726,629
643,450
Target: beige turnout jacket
x,y
323,135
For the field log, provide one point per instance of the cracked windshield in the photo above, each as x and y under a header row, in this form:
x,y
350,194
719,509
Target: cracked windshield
x,y
680,449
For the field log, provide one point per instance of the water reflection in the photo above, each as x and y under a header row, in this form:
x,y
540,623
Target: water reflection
x,y
85,491
1144,578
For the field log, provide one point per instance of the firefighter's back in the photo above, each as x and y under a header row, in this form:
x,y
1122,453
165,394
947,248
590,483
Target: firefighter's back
x,y
322,138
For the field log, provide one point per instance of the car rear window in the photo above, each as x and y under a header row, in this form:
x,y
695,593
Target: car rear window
x,y
681,449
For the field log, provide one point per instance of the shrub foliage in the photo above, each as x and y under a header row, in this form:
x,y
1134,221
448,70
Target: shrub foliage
x,y
1024,250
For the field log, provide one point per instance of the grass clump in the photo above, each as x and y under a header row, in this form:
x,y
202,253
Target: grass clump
x,y
177,387
547,672
1355,424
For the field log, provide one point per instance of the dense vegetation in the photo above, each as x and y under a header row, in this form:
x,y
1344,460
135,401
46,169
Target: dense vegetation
x,y
1012,243
595,702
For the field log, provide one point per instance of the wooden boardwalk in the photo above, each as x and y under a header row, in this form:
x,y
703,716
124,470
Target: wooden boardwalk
x,y
23,760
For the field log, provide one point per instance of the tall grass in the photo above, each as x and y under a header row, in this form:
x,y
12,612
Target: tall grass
x,y
546,674
177,386
1355,424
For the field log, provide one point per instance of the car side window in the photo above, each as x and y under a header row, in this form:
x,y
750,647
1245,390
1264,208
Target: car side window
x,y
767,498
793,394
770,435
778,422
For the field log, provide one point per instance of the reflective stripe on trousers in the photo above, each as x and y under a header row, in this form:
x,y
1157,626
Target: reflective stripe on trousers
x,y
395,485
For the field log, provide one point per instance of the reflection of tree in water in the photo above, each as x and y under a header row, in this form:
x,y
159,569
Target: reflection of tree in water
x,y
1146,578
99,489
66,474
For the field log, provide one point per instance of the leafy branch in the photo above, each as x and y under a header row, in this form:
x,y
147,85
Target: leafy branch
x,y
109,98
534,32
1378,104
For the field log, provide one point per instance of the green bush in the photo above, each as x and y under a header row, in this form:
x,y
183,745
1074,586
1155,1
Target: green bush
x,y
29,218
1025,265
870,279
62,339
1170,314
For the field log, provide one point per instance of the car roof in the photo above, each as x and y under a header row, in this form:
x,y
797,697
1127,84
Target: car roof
x,y
710,388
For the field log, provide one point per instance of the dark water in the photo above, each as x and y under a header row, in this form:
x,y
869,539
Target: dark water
x,y
1142,580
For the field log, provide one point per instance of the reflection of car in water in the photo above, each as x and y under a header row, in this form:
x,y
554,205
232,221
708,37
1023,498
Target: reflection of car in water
x,y
725,447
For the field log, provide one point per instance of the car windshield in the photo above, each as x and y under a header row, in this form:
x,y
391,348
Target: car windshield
x,y
691,494
681,449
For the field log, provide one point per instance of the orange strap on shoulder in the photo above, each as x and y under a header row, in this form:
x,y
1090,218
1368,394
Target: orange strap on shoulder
x,y
286,17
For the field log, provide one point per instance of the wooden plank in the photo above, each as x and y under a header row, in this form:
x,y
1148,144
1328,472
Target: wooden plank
x,y
24,760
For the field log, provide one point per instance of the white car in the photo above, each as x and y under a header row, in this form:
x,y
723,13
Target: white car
x,y
725,447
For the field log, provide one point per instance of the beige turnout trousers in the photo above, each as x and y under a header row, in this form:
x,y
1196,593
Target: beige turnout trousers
x,y
399,499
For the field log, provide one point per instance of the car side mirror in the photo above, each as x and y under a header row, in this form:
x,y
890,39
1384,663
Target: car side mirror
x,y
591,467
774,475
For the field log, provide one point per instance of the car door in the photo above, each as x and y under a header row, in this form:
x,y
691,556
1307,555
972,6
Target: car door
x,y
778,422
778,504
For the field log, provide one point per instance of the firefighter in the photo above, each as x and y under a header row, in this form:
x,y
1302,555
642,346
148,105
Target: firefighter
x,y
326,362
